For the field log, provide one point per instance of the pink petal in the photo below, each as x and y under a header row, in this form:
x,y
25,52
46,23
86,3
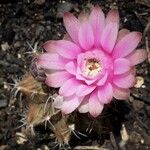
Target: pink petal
x,y
49,56
95,107
84,106
84,90
133,70
103,80
83,17
58,102
65,48
121,94
51,61
71,67
112,16
70,104
86,38
80,77
124,81
47,47
97,21
127,44
90,81
122,33
137,57
69,87
72,25
121,65
57,79
109,36
105,93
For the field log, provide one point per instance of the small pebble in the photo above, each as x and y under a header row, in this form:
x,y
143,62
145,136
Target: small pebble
x,y
5,46
19,55
142,141
20,138
17,44
139,82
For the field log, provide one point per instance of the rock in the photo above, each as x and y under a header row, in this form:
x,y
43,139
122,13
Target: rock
x,y
20,138
5,46
139,82
17,44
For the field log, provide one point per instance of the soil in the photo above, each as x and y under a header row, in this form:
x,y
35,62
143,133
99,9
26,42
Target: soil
x,y
23,24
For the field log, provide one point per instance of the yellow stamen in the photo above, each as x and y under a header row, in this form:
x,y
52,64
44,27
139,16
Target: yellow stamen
x,y
93,67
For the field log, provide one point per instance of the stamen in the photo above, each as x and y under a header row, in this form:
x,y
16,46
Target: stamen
x,y
92,67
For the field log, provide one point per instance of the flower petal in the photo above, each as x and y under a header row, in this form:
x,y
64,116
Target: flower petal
x,y
69,87
57,79
124,81
72,25
70,104
112,16
127,44
105,93
97,21
122,33
58,102
86,37
110,32
71,67
121,94
51,61
64,48
103,80
79,76
109,36
90,81
95,107
121,65
83,90
47,47
84,106
137,57
83,16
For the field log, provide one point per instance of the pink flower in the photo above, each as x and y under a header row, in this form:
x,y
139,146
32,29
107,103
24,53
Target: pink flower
x,y
93,63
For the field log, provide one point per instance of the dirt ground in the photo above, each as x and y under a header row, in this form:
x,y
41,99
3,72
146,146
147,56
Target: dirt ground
x,y
31,22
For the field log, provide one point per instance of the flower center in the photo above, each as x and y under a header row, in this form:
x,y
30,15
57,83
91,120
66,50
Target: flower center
x,y
92,67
